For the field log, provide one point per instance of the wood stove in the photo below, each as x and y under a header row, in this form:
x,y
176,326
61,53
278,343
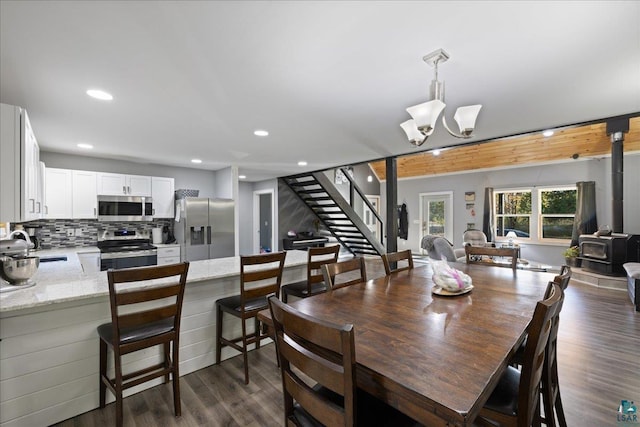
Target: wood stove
x,y
606,254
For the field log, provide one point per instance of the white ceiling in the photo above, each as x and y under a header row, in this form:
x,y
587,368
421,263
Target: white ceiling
x,y
330,81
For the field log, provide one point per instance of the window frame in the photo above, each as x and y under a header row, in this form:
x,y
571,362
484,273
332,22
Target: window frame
x,y
541,216
536,216
530,215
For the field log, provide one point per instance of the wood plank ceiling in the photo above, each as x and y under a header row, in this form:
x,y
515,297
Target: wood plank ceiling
x,y
585,141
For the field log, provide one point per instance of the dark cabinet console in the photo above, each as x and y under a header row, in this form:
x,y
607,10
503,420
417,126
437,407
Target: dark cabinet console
x,y
303,243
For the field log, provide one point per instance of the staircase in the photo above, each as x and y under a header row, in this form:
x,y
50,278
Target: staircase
x,y
321,196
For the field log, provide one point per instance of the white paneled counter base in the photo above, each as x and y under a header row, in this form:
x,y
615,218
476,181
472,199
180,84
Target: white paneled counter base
x,y
49,345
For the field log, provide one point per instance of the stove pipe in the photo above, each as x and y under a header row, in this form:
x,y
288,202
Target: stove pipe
x,y
617,128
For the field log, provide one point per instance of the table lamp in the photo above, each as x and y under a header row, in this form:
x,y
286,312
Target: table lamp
x,y
511,235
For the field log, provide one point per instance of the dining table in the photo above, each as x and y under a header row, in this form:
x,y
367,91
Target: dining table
x,y
434,357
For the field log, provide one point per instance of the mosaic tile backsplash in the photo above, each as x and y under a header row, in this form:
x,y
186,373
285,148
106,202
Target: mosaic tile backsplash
x,y
52,233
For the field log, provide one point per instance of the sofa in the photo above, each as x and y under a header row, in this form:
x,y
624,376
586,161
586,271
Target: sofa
x,y
633,282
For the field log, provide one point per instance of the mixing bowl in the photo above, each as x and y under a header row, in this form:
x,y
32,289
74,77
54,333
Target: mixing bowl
x,y
18,271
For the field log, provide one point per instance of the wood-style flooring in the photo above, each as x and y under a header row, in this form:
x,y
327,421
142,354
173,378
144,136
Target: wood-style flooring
x,y
598,356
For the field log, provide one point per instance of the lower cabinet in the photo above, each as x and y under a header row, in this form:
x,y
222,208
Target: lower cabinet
x,y
168,254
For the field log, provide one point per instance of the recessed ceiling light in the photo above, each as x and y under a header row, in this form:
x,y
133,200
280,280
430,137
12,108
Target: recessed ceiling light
x,y
302,163
260,132
369,178
196,161
242,176
547,133
99,94
85,146
436,152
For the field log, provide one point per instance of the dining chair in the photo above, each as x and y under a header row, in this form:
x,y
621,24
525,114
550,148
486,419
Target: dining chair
x,y
392,259
344,273
564,277
260,277
136,326
515,401
314,284
318,370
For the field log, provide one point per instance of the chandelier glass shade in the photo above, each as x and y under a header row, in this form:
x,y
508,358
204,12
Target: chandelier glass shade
x,y
425,116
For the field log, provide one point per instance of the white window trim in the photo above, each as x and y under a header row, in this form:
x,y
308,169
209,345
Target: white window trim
x,y
541,215
502,239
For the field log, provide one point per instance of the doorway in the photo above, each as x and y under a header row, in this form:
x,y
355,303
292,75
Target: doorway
x,y
263,214
436,214
369,218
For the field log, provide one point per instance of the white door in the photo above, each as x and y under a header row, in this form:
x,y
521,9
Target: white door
x,y
369,218
436,214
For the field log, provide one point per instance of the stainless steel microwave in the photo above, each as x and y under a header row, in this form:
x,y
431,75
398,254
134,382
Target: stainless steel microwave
x,y
125,208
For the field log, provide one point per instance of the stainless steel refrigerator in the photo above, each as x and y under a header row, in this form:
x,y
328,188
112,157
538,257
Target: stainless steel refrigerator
x,y
205,228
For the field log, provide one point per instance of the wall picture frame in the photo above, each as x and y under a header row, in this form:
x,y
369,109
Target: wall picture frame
x,y
470,196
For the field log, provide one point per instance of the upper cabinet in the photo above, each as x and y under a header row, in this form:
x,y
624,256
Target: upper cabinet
x,y
162,194
70,194
114,184
21,175
85,195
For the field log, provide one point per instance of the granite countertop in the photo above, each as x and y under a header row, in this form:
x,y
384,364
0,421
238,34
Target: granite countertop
x,y
63,281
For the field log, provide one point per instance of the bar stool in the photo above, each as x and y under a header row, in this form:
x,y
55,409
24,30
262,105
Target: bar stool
x,y
315,281
139,327
256,284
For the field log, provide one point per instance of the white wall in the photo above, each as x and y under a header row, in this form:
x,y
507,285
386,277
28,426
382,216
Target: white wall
x,y
598,170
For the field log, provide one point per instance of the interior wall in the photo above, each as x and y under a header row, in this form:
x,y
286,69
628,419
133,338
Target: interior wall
x,y
185,178
598,170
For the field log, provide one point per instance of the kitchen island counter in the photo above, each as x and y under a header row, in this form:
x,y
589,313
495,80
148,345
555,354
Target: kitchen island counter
x,y
49,344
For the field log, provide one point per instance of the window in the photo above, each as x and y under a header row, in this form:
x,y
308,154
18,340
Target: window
x,y
513,212
557,210
543,214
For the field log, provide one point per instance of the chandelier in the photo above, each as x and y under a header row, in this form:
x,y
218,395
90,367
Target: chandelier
x,y
425,115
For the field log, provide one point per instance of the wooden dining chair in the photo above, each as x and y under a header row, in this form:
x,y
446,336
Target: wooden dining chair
x,y
475,254
314,284
260,277
139,327
397,261
344,273
515,401
564,277
318,369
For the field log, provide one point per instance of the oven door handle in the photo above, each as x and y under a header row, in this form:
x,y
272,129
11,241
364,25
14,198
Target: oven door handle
x,y
208,234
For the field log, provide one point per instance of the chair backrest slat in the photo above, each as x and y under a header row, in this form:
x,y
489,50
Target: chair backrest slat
x,y
252,282
322,351
394,257
564,277
331,271
165,297
317,258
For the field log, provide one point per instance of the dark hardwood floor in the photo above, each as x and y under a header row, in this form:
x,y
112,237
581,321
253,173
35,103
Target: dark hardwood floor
x,y
598,353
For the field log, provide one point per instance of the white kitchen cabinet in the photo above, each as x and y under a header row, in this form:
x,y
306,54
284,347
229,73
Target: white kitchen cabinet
x,y
58,194
19,167
85,195
168,254
162,193
115,184
90,260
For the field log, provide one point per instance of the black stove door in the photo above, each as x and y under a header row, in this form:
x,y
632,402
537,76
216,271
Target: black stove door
x,y
128,262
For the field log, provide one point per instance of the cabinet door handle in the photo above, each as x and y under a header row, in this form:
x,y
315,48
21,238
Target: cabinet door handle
x,y
46,210
94,211
128,190
153,211
39,207
33,205
124,189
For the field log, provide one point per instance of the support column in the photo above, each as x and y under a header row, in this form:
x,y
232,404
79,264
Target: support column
x,y
392,203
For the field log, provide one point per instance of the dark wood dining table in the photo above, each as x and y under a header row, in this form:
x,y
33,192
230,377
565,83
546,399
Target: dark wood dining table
x,y
435,358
